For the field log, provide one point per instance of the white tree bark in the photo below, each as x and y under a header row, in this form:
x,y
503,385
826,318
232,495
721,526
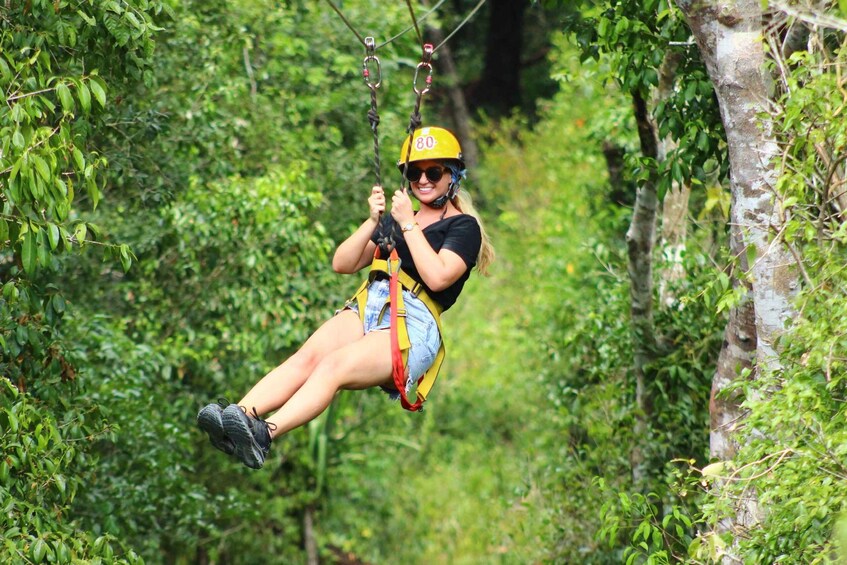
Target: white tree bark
x,y
674,214
640,239
738,352
730,37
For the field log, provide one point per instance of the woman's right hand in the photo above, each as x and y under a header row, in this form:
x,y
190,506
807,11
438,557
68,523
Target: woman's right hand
x,y
376,202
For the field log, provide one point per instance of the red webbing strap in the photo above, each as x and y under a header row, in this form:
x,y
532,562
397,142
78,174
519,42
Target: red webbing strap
x,y
398,368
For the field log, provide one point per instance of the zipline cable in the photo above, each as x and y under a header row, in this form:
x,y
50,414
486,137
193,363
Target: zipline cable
x,y
414,25
466,20
387,41
411,27
349,25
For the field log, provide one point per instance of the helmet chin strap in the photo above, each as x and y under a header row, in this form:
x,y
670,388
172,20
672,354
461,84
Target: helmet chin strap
x,y
442,200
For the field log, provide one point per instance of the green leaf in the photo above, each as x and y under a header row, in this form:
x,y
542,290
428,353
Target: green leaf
x,y
751,256
16,168
10,292
842,6
65,97
53,235
84,97
18,139
43,250
39,549
98,89
126,259
79,159
63,554
29,252
42,168
80,231
88,19
93,192
58,303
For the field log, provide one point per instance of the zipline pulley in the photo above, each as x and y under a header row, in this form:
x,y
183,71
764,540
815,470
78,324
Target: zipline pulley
x,y
370,57
426,63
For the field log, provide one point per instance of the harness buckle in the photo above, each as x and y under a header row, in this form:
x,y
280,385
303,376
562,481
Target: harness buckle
x,y
389,266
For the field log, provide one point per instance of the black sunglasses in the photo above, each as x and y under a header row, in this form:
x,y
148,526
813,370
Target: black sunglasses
x,y
433,173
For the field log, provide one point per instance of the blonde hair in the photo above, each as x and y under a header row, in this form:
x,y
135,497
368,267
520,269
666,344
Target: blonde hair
x,y
462,201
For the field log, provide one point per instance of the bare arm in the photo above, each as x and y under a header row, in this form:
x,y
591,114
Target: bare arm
x,y
355,252
439,269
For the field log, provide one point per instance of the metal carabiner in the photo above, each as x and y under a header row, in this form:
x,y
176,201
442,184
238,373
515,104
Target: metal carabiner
x,y
426,63
369,57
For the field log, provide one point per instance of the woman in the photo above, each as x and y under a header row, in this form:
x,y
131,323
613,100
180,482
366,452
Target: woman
x,y
440,244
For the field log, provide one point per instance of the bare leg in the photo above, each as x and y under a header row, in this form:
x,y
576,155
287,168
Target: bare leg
x,y
362,364
281,383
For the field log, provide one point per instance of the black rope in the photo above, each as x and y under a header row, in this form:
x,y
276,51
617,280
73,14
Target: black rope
x,y
414,21
373,81
394,38
373,119
415,122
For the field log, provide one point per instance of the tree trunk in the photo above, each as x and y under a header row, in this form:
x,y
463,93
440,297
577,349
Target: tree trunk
x,y
499,88
674,235
309,536
619,190
640,238
458,104
730,37
737,353
675,203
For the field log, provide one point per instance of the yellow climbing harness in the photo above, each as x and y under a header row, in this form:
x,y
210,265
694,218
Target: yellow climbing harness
x,y
400,334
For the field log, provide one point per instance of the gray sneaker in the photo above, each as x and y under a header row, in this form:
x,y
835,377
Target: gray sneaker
x,y
209,420
250,435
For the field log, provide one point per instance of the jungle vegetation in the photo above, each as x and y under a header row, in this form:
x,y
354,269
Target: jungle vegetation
x,y
655,371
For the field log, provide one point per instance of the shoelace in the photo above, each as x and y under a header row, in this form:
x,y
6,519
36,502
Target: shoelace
x,y
270,426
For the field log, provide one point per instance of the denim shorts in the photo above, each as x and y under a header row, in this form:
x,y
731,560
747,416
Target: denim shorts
x,y
422,328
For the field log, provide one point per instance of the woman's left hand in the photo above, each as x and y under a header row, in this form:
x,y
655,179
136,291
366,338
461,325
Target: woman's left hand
x,y
401,208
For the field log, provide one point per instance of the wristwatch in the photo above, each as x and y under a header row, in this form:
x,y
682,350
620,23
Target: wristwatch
x,y
409,227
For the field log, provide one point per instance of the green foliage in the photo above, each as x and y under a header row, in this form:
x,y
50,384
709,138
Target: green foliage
x,y
657,535
56,90
39,479
588,335
216,156
793,455
215,151
646,48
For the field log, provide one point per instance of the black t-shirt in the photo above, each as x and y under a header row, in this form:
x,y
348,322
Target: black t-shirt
x,y
460,234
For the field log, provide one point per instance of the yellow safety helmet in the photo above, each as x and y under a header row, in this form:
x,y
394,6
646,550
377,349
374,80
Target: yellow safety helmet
x,y
431,143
